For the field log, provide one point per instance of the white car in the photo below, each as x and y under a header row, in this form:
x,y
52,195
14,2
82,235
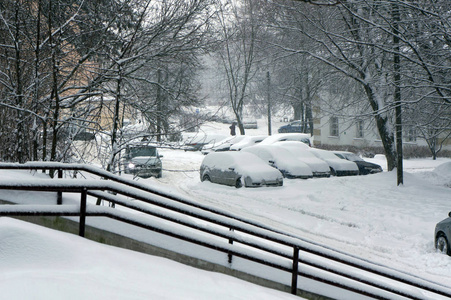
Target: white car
x,y
196,142
301,151
280,137
222,145
247,141
338,166
281,159
236,168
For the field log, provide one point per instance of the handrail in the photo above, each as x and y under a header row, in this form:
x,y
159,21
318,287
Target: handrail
x,y
179,205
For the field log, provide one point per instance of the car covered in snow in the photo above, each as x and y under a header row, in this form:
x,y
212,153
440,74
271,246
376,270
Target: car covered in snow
x,y
247,141
222,145
301,151
443,235
281,159
365,167
280,137
338,166
143,161
196,142
237,168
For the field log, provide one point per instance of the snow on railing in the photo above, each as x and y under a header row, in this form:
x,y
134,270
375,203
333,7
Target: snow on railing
x,y
253,241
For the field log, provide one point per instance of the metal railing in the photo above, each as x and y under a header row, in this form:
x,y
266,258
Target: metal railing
x,y
271,247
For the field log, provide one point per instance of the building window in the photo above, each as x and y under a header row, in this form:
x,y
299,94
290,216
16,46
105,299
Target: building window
x,y
334,126
359,129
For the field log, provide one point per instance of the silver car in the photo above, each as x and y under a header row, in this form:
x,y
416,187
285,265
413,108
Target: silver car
x,y
236,168
443,235
143,161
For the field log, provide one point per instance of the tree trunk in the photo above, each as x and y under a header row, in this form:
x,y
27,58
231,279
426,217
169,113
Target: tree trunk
x,y
385,133
19,90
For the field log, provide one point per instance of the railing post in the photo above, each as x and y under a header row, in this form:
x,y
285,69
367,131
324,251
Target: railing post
x,y
82,212
59,196
294,275
231,243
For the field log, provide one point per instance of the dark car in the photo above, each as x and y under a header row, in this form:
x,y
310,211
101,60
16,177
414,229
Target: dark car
x,y
143,161
295,126
365,167
84,136
443,235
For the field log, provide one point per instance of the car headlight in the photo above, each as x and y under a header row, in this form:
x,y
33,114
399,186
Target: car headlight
x,y
131,166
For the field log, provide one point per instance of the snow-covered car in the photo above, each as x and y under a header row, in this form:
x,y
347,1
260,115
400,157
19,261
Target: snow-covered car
x,y
195,143
301,151
443,235
281,159
295,126
238,169
247,141
338,166
222,145
365,167
280,137
143,161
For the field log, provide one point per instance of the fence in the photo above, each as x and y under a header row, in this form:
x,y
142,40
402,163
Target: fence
x,y
237,237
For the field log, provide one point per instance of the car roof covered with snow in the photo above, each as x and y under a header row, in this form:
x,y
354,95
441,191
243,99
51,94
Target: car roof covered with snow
x,y
334,161
282,159
300,137
248,140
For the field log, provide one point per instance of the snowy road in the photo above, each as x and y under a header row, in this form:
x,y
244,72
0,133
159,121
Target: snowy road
x,y
367,216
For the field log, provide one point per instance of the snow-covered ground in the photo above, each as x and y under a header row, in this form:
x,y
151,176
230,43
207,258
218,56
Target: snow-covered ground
x,y
366,216
40,263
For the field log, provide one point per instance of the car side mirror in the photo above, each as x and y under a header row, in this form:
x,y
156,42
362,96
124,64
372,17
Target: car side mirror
x,y
449,214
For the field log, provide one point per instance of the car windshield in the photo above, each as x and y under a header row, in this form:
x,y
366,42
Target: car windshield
x,y
143,151
352,157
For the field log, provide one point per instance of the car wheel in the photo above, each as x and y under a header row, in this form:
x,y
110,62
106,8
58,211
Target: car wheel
x,y
442,244
159,174
238,183
332,172
206,178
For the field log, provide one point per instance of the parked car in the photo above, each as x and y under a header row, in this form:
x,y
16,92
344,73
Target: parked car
x,y
84,135
365,167
247,141
294,126
195,143
222,145
280,137
281,159
143,161
236,168
443,235
338,166
301,151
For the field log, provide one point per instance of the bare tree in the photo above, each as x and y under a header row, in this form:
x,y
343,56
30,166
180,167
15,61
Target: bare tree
x,y
239,31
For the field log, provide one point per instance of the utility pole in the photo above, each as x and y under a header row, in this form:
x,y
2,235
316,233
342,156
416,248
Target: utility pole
x,y
268,95
397,92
